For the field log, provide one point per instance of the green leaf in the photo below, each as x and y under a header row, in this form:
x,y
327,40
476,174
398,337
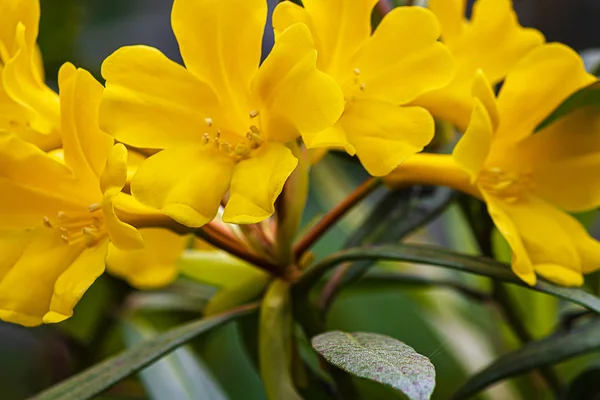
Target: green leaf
x,y
443,258
100,377
588,96
379,358
551,350
180,375
274,347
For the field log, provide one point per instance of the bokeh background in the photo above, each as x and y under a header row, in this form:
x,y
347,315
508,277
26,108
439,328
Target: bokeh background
x,y
460,336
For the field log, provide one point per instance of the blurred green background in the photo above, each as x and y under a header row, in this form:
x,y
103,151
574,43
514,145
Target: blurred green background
x,y
459,335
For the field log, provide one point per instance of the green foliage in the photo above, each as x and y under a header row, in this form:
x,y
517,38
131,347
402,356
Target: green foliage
x,y
553,349
104,375
379,358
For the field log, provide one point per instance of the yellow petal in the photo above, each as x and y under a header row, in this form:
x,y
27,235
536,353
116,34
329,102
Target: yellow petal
x,y
474,146
295,97
36,261
34,184
152,267
536,86
331,137
85,146
12,12
340,28
494,41
483,91
565,160
220,42
451,16
257,182
151,101
74,281
23,84
385,135
287,14
551,237
122,235
186,184
521,262
559,274
403,59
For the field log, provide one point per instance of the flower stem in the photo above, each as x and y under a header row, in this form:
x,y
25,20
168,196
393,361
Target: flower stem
x,y
210,233
334,215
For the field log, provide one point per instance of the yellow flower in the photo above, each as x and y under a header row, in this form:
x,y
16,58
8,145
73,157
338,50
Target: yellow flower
x,y
28,107
222,121
527,179
57,211
492,41
378,72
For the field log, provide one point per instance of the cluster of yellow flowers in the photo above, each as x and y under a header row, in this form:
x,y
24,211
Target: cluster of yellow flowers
x,y
224,130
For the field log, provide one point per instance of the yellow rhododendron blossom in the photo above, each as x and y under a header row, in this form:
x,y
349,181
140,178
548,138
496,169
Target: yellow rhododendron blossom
x,y
28,107
222,121
527,179
378,73
492,40
57,210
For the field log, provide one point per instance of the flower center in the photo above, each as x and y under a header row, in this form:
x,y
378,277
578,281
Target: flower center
x,y
508,186
236,146
79,225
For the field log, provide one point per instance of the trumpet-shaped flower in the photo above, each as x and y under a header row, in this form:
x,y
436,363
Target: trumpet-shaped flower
x,y
378,72
491,41
527,179
28,107
58,217
221,122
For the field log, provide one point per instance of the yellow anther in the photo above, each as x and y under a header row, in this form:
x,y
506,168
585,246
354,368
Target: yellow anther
x,y
253,113
46,222
208,121
254,139
94,207
205,138
225,148
363,87
254,129
357,71
242,149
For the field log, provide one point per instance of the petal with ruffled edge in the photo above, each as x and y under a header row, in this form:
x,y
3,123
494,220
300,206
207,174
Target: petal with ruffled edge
x,y
402,60
492,41
339,29
565,160
14,12
55,273
114,176
474,146
332,137
85,146
257,182
152,267
23,84
151,101
385,135
221,42
185,183
75,280
536,86
294,96
557,245
521,262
